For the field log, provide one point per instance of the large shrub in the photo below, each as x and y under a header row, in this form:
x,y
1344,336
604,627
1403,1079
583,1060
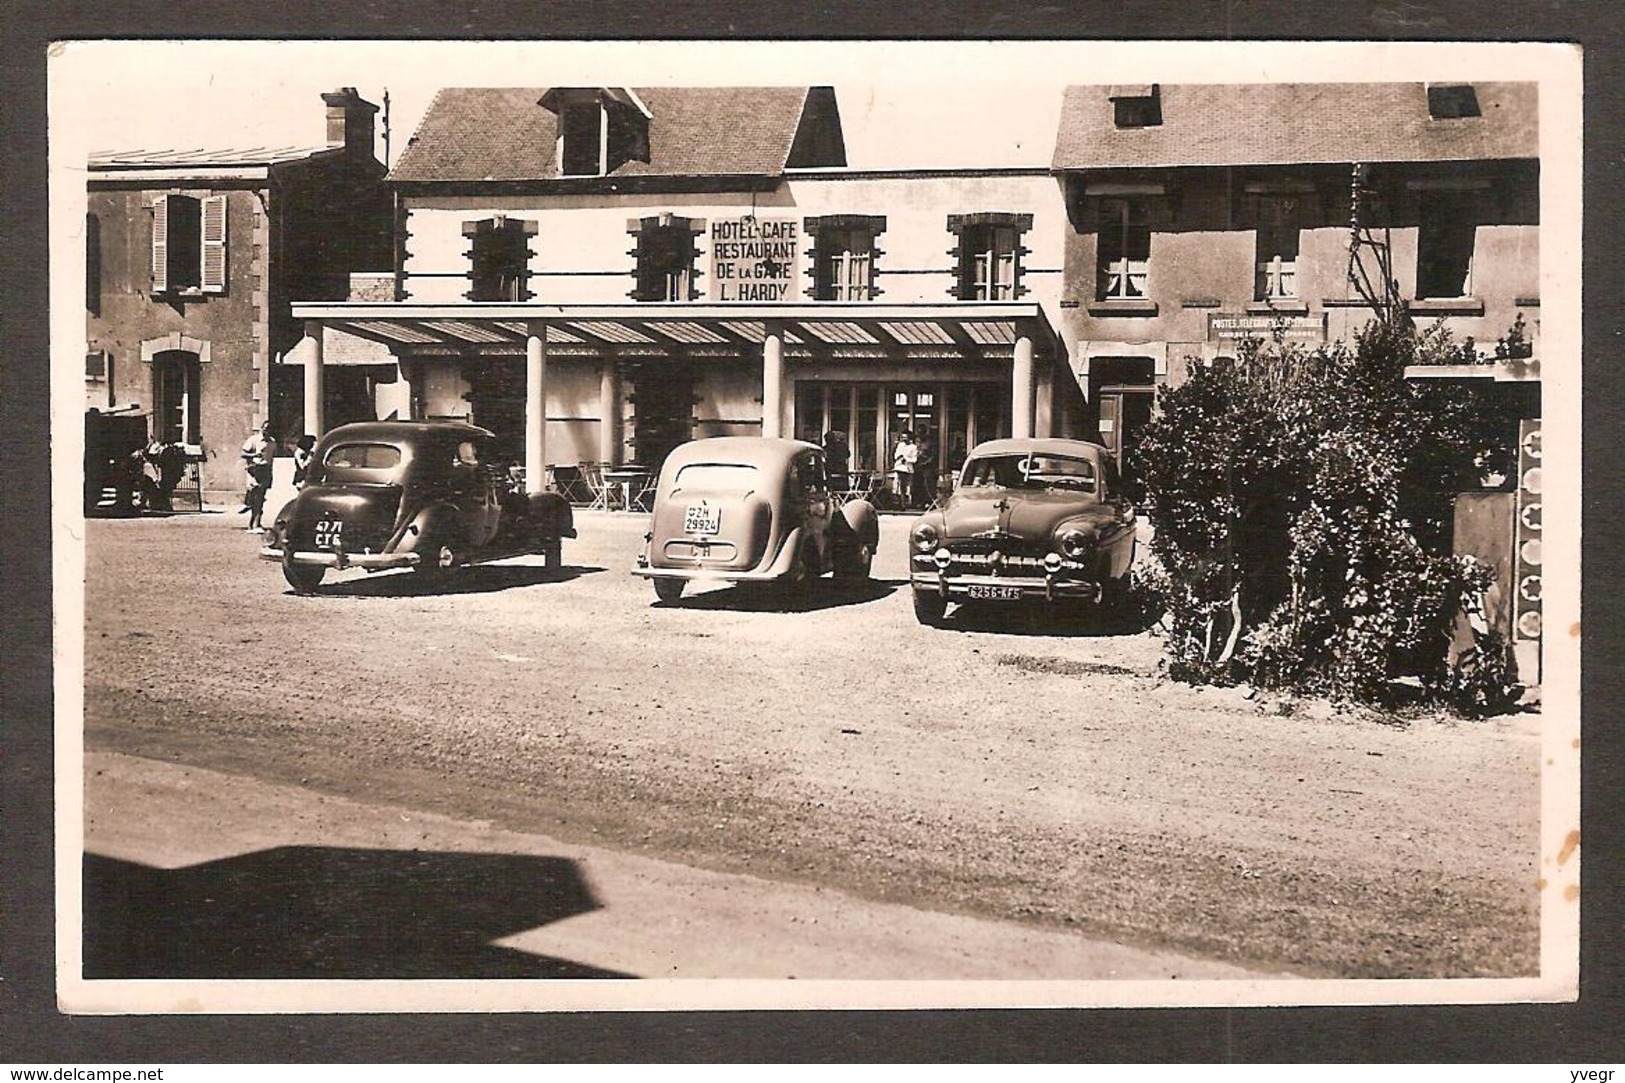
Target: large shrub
x,y
1302,510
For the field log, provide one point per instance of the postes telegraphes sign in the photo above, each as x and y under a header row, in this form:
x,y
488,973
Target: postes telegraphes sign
x,y
753,259
1235,326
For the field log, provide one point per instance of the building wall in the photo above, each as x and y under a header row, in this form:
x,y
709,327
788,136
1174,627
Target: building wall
x,y
1203,251
582,253
226,329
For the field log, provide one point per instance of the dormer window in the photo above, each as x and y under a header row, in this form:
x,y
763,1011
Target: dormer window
x,y
1452,101
581,140
1136,106
600,129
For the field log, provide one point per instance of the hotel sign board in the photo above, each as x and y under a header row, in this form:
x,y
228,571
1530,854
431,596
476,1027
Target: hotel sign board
x,y
753,259
1235,326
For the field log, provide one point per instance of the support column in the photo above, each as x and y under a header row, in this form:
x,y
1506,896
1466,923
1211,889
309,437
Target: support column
x,y
609,411
773,380
536,407
314,423
1021,389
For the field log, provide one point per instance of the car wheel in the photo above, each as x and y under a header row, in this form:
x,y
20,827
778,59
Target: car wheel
x,y
303,578
929,608
668,590
1114,592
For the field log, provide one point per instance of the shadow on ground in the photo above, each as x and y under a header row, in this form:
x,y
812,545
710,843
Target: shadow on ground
x,y
475,579
776,598
321,912
1039,620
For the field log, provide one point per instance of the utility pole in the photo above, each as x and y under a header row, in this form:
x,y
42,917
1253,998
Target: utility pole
x,y
386,127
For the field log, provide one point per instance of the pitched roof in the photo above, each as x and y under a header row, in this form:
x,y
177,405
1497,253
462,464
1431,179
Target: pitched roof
x,y
1295,123
503,134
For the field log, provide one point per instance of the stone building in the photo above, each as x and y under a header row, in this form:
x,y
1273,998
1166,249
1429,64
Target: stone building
x,y
192,260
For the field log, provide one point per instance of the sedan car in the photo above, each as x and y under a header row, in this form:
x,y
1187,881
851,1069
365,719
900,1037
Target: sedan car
x,y
1033,520
410,494
742,509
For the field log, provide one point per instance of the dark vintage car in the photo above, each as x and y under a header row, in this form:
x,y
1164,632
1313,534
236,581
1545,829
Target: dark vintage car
x,y
410,494
743,509
1030,520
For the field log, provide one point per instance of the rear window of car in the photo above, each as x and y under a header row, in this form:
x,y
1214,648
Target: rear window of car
x,y
718,477
363,457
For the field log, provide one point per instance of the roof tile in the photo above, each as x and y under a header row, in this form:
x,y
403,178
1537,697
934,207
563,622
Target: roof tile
x,y
1295,123
502,134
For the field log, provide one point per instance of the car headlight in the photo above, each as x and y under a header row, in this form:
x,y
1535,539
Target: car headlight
x,y
1074,543
925,537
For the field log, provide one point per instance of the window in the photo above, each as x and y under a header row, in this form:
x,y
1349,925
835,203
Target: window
x,y
1136,106
665,258
189,244
176,380
599,129
363,457
499,259
96,366
989,254
844,255
1277,255
1123,254
581,132
1452,101
1444,244
93,265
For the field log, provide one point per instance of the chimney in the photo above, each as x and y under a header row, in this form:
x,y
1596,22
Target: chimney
x,y
349,121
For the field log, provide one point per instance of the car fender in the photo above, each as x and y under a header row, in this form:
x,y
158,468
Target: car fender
x,y
551,514
860,517
789,549
433,526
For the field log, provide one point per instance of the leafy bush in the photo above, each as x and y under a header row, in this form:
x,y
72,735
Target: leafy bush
x,y
1302,503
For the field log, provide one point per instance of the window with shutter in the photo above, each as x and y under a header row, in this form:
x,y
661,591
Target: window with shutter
x,y
177,243
989,255
213,267
843,256
664,258
160,245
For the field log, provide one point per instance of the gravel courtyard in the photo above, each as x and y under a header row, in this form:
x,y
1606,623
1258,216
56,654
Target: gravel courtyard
x,y
1001,767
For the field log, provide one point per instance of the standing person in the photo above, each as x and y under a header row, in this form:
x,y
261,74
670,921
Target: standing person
x,y
837,461
925,472
258,452
303,452
903,459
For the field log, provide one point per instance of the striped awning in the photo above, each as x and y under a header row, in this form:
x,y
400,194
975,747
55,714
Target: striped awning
x,y
969,330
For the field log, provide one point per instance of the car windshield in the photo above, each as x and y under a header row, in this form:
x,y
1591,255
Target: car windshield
x,y
363,457
718,477
1031,471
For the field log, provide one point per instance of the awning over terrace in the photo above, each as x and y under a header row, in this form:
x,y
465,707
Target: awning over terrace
x,y
970,330
1002,330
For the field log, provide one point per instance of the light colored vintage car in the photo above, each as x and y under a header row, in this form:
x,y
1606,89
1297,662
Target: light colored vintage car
x,y
742,509
1033,520
410,494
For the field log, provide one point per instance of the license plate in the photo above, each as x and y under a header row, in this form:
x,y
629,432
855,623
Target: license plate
x,y
993,594
702,518
328,533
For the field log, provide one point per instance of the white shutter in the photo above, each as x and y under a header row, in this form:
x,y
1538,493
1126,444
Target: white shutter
x,y
160,245
213,274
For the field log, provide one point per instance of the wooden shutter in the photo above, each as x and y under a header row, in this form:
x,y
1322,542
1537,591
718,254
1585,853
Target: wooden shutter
x,y
214,245
160,245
